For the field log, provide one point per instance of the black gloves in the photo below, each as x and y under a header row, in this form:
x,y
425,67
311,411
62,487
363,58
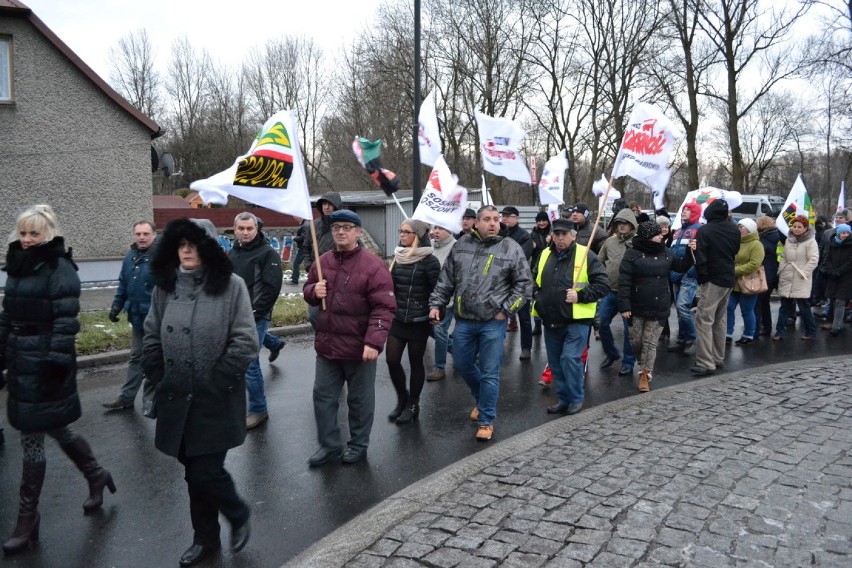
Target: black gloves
x,y
113,315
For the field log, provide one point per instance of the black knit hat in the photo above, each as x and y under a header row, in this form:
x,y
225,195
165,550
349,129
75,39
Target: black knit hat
x,y
541,216
648,230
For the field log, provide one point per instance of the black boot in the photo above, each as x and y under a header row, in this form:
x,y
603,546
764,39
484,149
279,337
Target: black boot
x,y
81,454
401,401
26,531
411,412
537,328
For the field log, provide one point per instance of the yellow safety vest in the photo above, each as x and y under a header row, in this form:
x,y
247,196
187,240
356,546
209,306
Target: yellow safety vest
x,y
581,276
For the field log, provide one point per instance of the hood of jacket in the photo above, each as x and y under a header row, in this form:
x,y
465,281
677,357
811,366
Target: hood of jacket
x,y
332,197
694,212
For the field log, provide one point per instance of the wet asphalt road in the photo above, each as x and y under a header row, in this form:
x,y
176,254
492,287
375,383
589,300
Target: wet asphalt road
x,y
146,524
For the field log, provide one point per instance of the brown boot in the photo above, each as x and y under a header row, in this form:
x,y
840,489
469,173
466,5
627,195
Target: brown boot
x,y
644,380
81,454
26,531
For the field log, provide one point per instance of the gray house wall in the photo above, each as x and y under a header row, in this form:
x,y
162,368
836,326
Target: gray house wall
x,y
64,142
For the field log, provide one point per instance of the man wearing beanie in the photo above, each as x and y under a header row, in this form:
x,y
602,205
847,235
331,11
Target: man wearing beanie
x,y
520,235
717,245
350,333
587,234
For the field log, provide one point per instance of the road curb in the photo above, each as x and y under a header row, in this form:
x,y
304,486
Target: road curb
x,y
122,355
346,542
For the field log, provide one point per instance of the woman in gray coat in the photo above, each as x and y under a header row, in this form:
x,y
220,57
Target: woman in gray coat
x,y
199,339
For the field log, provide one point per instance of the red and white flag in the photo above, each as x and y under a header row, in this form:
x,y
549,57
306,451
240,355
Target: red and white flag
x,y
443,201
646,148
500,140
550,188
427,131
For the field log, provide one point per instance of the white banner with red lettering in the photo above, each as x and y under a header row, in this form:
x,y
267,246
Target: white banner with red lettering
x,y
443,201
500,141
550,187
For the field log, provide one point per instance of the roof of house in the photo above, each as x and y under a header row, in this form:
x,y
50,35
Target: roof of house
x,y
16,8
168,201
190,196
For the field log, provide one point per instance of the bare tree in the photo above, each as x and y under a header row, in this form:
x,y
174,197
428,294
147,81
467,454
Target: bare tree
x,y
133,75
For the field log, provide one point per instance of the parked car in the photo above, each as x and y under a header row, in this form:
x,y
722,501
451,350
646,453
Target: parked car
x,y
754,206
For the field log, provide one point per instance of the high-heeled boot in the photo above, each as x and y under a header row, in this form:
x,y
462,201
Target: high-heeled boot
x,y
411,412
401,401
26,531
81,454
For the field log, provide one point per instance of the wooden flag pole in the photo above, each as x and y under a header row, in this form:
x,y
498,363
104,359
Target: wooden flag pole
x,y
317,257
578,267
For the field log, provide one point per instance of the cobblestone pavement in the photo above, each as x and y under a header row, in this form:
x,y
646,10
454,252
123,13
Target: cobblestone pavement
x,y
751,470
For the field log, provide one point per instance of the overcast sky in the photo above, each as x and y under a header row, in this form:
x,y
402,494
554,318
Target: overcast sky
x,y
92,27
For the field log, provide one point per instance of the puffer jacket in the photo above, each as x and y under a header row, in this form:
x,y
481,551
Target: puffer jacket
x,y
359,306
135,285
749,258
616,245
717,244
38,326
798,261
837,269
643,285
413,284
684,234
557,276
483,277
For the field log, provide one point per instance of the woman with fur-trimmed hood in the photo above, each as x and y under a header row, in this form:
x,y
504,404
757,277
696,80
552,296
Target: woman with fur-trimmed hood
x,y
199,339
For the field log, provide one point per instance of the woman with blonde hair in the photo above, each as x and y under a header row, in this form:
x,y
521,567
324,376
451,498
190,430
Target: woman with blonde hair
x,y
414,271
37,330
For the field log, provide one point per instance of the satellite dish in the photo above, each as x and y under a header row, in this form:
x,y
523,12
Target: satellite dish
x,y
155,160
167,164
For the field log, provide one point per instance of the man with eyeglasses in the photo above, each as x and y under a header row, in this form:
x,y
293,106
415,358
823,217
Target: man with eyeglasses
x,y
487,279
351,329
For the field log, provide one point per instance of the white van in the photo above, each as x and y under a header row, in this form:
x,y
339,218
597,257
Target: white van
x,y
754,206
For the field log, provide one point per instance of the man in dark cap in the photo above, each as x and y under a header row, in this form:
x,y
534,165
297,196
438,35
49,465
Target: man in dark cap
x,y
349,337
566,291
587,234
468,222
540,236
510,216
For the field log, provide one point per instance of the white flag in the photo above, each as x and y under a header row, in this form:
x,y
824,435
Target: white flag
x,y
658,186
499,140
553,212
841,199
646,147
704,197
798,203
443,200
271,174
599,187
550,187
427,131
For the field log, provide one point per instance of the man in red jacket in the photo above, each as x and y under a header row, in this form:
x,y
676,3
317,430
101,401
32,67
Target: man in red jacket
x,y
350,333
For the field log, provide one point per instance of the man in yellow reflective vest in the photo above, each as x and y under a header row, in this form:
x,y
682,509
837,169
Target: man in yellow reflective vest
x,y
569,281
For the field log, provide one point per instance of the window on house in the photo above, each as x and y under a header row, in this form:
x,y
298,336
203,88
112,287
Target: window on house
x,y
5,69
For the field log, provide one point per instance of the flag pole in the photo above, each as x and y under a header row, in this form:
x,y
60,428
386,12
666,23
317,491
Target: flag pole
x,y
316,256
398,204
578,267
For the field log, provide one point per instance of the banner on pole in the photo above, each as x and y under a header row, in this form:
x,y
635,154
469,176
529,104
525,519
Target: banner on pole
x,y
443,201
550,188
427,131
500,140
704,197
798,203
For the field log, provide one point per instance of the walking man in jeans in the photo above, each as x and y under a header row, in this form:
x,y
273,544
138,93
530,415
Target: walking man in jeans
x,y
257,263
684,285
487,279
134,296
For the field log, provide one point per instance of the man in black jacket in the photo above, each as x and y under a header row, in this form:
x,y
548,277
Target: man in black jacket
x,y
521,236
258,264
717,245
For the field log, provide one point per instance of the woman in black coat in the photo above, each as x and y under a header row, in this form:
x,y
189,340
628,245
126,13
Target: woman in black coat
x,y
199,339
414,271
37,330
836,268
644,294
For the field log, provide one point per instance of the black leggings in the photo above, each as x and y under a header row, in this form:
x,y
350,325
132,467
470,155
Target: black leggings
x,y
393,354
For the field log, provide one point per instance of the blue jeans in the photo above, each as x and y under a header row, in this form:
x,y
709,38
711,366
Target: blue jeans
x,y
607,310
684,294
564,349
441,333
271,341
300,256
788,309
746,304
254,376
483,338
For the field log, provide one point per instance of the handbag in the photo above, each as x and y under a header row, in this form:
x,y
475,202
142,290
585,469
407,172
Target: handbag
x,y
754,283
149,399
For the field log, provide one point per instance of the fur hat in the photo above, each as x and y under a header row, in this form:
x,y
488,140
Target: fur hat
x,y
201,233
648,229
748,224
346,216
421,229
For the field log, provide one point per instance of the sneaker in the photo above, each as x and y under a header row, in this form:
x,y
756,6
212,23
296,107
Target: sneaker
x,y
544,383
689,348
255,420
625,371
484,432
474,414
436,375
574,408
676,347
273,353
117,405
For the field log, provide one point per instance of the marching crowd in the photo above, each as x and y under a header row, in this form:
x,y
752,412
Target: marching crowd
x,y
199,317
